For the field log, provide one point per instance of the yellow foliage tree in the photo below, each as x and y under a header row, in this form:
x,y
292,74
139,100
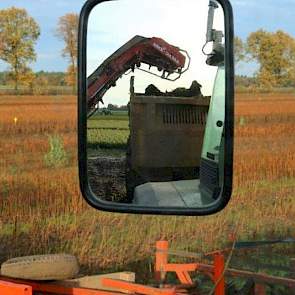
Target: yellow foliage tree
x,y
71,77
40,85
67,31
239,49
275,53
18,35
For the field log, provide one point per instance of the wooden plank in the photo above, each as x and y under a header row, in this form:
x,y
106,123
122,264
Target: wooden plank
x,y
95,281
138,288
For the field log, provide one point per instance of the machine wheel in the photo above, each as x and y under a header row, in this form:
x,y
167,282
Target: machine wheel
x,y
41,267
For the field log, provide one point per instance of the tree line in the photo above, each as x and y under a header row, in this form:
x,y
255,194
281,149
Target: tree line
x,y
19,33
41,77
273,52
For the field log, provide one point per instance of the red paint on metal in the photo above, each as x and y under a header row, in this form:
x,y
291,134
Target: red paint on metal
x,y
151,51
170,51
219,274
259,289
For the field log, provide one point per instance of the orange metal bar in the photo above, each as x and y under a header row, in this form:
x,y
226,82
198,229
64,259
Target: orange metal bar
x,y
55,289
7,288
184,277
161,260
162,266
180,267
136,288
188,278
219,274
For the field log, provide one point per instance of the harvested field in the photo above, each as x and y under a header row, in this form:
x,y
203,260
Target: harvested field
x,y
42,210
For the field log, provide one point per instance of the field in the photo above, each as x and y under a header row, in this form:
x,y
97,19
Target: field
x,y
42,210
108,134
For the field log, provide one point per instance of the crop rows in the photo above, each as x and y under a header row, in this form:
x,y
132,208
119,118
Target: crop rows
x,y
107,138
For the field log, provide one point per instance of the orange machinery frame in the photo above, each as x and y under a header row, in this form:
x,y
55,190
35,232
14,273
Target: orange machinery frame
x,y
10,286
216,272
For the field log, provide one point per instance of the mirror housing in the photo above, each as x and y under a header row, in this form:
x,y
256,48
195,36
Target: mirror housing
x,y
223,191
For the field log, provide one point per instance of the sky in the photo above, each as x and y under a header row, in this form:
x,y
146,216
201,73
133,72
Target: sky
x,y
46,13
184,31
249,16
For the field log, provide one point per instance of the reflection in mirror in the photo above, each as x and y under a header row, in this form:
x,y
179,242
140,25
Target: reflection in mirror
x,y
155,103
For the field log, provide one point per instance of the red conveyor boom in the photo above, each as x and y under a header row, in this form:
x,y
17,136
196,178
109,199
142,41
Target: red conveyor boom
x,y
151,51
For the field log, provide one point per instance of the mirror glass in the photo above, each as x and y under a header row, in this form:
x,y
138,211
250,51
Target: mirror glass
x,y
156,102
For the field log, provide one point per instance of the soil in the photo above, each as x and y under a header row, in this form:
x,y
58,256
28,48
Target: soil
x,y
107,178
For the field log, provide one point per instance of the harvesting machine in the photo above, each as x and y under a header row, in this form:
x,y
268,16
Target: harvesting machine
x,y
166,131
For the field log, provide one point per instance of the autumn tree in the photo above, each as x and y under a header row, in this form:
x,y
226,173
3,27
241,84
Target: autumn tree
x,y
67,31
1,45
18,35
275,54
239,50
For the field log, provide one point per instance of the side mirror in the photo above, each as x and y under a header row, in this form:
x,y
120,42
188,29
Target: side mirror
x,y
156,106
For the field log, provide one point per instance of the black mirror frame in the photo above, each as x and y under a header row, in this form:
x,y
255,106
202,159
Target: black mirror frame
x,y
87,193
